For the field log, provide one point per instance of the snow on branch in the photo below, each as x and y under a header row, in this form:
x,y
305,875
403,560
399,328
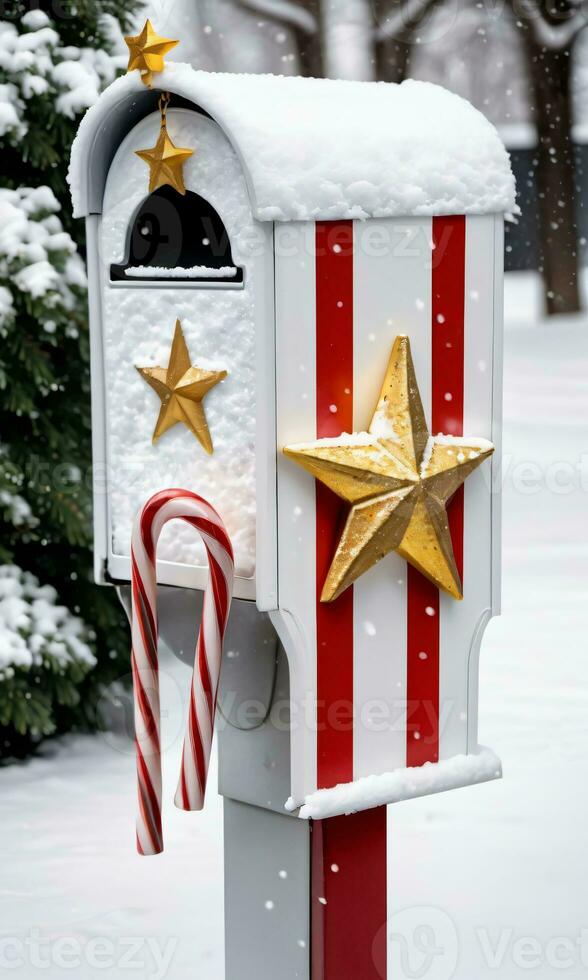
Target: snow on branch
x,y
554,37
286,11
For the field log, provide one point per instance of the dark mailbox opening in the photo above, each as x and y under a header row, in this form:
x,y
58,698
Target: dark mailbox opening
x,y
177,238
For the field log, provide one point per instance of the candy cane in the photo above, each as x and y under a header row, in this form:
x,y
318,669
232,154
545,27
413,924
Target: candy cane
x,y
161,508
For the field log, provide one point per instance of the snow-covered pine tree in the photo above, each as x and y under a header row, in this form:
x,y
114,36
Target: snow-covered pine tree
x,y
61,638
51,71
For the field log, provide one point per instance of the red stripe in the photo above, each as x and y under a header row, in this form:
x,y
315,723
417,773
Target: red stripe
x,y
214,531
149,649
148,515
149,802
422,722
183,783
219,592
449,236
205,679
334,415
423,627
448,325
149,720
195,737
141,600
349,862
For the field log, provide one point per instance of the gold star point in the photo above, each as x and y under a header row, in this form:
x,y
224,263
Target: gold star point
x,y
181,388
147,51
398,480
166,162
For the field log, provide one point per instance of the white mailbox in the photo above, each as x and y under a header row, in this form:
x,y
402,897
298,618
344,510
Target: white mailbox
x,y
321,221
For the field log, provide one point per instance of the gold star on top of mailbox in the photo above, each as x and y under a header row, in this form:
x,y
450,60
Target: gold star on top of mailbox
x,y
398,480
181,387
147,51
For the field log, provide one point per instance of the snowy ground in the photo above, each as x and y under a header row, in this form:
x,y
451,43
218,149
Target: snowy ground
x,y
499,872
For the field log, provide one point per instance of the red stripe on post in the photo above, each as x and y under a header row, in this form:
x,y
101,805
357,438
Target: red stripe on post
x,y
349,900
447,370
334,415
449,237
448,325
422,719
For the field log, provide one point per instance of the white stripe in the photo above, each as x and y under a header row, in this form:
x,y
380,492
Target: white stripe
x,y
296,422
392,295
209,622
181,507
222,558
459,620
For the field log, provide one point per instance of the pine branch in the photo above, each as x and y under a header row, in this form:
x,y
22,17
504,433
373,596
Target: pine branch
x,y
45,443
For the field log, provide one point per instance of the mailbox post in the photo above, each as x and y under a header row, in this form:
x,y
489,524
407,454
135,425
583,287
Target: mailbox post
x,y
335,264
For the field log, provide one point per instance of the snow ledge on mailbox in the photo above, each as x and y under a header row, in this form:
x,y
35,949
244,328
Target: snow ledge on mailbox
x,y
324,149
402,784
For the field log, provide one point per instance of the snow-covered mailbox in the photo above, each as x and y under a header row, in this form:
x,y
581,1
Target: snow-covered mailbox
x,y
333,275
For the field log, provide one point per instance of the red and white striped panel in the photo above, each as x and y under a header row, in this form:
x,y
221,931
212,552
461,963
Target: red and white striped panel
x,y
379,679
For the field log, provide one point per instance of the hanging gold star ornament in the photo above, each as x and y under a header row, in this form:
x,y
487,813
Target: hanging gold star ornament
x,y
165,160
181,387
398,480
147,52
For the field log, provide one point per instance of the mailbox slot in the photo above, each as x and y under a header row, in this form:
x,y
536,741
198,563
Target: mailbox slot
x,y
175,239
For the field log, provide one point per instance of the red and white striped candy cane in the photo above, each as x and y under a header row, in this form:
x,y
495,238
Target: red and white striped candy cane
x,y
161,508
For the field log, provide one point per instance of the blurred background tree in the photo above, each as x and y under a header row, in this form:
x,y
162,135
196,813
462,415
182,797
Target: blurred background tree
x,y
522,62
550,30
61,638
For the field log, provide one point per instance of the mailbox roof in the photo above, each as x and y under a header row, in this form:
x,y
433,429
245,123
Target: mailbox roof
x,y
323,149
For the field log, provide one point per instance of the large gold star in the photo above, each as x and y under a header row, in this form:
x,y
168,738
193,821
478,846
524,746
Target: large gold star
x,y
166,162
398,481
181,388
147,51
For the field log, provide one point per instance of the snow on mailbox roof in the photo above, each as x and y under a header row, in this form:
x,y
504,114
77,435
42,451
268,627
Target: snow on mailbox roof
x,y
317,148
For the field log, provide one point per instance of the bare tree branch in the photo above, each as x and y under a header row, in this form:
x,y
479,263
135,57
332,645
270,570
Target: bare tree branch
x,y
554,37
285,11
551,35
405,18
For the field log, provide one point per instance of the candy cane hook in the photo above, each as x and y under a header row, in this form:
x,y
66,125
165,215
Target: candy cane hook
x,y
161,508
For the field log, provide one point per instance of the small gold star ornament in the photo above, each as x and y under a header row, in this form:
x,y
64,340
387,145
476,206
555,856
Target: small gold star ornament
x,y
398,480
181,387
165,160
147,51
